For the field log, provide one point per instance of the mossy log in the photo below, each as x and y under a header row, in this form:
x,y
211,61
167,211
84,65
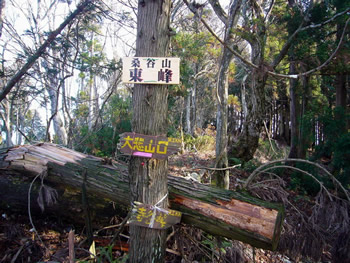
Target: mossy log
x,y
220,212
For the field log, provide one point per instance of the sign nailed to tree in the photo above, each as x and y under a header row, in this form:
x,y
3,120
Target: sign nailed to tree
x,y
158,147
155,70
154,217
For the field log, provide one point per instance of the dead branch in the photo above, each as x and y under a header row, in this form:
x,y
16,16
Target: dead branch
x,y
301,171
40,51
272,73
335,180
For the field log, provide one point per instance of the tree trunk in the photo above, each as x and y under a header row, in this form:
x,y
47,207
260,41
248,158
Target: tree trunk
x,y
6,117
340,87
248,141
2,9
60,133
217,211
188,112
148,177
222,178
54,84
341,92
194,106
285,115
304,130
294,106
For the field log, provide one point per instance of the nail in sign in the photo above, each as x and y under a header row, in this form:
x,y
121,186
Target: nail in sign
x,y
158,147
151,70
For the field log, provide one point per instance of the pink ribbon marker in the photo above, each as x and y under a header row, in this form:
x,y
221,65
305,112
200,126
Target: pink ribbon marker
x,y
142,154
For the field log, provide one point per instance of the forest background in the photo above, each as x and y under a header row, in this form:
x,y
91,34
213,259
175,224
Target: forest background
x,y
256,76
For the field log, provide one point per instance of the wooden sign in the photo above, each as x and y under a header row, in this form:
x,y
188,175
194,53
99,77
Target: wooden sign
x,y
154,217
156,70
158,147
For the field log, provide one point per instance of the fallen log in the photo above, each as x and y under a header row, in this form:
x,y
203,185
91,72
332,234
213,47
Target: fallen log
x,y
220,212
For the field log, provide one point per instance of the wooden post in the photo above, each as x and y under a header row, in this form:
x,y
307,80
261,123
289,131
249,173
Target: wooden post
x,y
71,246
148,177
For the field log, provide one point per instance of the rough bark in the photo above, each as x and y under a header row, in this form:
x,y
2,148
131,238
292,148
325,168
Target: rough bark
x,y
6,117
341,92
53,89
304,130
285,116
220,212
188,113
294,108
340,83
194,104
248,141
221,178
148,178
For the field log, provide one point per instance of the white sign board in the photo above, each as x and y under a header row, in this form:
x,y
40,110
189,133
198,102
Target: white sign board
x,y
146,70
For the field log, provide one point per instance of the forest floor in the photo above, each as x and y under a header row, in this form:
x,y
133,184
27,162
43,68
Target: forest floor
x,y
48,241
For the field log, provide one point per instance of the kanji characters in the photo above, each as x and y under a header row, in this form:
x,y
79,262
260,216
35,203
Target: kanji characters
x,y
135,74
151,62
127,141
166,63
139,144
165,75
161,219
154,217
174,213
148,70
150,148
165,147
143,214
135,63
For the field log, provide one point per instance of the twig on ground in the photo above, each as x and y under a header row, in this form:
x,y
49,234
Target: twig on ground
x,y
17,254
122,224
268,136
215,169
107,227
29,210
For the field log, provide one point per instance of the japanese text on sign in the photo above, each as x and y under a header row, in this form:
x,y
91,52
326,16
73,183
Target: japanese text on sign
x,y
158,147
156,70
154,217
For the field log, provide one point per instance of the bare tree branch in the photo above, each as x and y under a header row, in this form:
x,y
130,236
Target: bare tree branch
x,y
290,40
222,42
301,171
12,82
112,90
332,56
269,11
332,177
219,11
257,8
285,49
327,21
233,13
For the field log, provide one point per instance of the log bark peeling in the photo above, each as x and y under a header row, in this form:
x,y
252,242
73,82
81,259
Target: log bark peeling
x,y
234,215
